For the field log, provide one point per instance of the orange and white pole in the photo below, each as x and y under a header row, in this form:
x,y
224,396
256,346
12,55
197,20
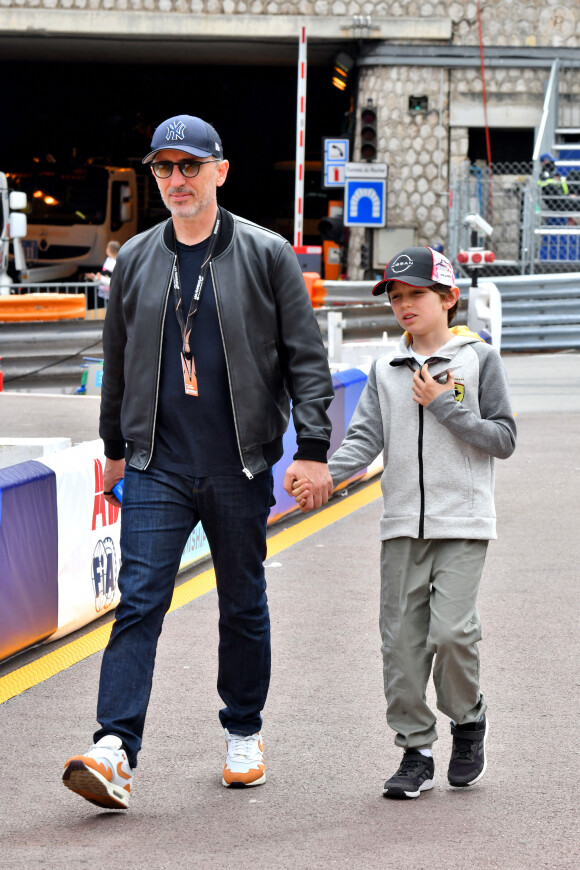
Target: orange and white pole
x,y
300,141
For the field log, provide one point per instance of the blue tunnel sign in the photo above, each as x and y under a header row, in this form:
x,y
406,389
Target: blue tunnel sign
x,y
364,200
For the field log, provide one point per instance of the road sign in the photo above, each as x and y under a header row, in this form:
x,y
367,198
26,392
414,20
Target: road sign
x,y
364,202
336,150
336,153
366,170
333,175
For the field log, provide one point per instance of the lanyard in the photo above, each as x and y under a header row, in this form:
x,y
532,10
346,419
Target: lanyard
x,y
186,325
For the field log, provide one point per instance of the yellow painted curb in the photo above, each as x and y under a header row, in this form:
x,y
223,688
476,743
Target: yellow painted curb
x,y
94,641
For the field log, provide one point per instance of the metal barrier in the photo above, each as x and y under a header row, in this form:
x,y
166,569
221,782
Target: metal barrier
x,y
535,216
539,312
536,228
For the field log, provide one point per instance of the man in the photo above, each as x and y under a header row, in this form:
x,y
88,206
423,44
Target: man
x,y
209,332
554,188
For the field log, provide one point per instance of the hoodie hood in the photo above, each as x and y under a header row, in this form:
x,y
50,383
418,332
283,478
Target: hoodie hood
x,y
461,335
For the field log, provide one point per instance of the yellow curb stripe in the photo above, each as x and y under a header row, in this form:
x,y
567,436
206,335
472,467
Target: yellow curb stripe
x,y
94,641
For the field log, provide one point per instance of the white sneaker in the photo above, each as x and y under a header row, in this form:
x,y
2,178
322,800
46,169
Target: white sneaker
x,y
103,775
245,763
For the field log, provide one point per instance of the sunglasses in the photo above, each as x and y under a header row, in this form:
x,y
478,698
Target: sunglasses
x,y
188,168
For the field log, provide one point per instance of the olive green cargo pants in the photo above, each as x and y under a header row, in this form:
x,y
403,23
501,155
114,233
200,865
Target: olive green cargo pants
x,y
429,617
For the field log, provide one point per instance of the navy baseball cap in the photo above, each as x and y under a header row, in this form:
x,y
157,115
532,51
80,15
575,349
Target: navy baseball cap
x,y
419,267
186,133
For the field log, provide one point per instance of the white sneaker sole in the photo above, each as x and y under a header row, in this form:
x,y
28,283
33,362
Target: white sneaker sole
x,y
399,792
93,787
237,784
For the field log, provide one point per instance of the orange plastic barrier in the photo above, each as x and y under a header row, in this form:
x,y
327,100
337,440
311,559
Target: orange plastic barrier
x,y
315,287
43,306
331,270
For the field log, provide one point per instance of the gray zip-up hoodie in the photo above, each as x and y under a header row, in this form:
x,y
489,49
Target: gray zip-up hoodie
x,y
438,478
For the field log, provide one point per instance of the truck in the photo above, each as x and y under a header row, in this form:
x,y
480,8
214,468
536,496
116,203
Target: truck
x,y
73,211
13,226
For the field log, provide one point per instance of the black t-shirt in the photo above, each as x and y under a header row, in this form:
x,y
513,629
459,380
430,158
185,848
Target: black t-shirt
x,y
195,435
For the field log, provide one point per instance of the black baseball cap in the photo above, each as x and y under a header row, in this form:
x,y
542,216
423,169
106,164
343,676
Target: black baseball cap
x,y
419,267
186,133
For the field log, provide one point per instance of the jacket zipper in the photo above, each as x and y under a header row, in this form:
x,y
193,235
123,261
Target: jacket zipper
x,y
159,364
421,481
246,471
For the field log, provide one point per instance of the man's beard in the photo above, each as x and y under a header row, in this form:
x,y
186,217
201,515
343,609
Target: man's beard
x,y
191,209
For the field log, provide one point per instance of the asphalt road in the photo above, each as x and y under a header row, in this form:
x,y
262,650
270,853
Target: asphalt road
x,y
328,748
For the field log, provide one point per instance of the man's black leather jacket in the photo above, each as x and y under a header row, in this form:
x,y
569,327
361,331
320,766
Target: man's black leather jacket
x,y
274,351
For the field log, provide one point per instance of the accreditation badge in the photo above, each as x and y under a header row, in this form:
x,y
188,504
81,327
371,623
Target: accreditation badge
x,y
189,377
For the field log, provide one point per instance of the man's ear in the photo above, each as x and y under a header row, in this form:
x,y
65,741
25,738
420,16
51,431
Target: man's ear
x,y
222,171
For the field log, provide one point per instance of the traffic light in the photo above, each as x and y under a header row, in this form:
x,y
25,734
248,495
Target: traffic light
x,y
343,64
365,261
477,257
331,229
368,132
418,104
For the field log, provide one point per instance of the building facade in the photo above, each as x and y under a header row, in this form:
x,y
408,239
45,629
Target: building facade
x,y
401,50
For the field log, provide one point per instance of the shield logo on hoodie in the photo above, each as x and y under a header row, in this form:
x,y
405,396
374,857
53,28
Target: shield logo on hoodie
x,y
459,391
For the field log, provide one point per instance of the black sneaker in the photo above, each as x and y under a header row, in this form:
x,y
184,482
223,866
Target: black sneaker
x,y
468,761
414,776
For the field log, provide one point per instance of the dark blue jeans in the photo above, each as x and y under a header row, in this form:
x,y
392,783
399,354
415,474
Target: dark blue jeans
x,y
160,509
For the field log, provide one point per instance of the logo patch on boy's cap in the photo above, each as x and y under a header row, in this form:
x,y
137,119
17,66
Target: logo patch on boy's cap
x,y
442,270
401,264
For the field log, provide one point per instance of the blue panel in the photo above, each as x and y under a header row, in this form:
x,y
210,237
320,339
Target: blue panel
x,y
336,413
28,556
364,202
354,381
348,386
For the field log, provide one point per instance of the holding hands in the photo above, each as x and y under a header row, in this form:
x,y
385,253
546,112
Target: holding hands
x,y
316,479
301,489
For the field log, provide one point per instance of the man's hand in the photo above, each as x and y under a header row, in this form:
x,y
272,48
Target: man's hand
x,y
425,388
113,473
318,476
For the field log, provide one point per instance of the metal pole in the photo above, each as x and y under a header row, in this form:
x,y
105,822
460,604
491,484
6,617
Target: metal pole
x,y
300,140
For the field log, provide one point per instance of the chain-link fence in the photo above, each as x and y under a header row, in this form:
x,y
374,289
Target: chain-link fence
x,y
535,220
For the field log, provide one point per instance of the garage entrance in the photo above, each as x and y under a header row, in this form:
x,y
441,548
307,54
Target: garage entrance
x,y
65,109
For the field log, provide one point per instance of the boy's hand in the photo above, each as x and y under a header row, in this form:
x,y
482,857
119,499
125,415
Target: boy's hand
x,y
301,490
425,388
318,477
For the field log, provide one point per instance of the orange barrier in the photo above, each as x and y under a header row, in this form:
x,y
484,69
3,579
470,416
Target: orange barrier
x,y
43,306
318,293
331,270
315,287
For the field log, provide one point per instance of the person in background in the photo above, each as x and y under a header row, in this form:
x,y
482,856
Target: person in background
x,y
103,278
209,339
554,188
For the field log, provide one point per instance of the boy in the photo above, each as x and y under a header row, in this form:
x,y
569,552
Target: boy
x,y
439,409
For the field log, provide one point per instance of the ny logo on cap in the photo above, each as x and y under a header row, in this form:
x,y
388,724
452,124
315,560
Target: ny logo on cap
x,y
176,130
